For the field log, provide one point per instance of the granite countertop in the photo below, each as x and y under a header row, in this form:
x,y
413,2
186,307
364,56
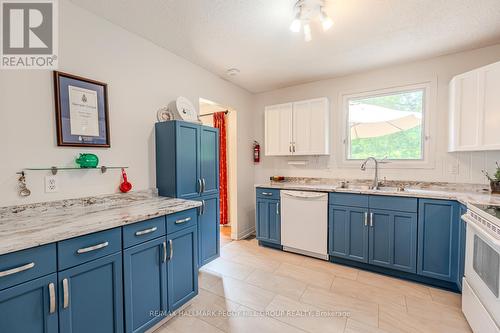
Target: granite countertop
x,y
464,193
26,226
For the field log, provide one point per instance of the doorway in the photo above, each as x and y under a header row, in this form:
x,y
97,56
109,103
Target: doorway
x,y
211,114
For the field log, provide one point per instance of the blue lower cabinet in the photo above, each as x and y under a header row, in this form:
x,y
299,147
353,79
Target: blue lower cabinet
x,y
393,240
268,221
145,284
182,267
30,307
91,297
348,232
262,219
438,233
209,230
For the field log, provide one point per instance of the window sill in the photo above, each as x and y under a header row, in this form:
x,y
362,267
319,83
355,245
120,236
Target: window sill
x,y
389,164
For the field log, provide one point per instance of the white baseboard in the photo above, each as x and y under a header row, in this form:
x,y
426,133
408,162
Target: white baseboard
x,y
245,234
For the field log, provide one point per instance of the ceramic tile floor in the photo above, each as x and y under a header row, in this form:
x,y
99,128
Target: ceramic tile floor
x,y
266,290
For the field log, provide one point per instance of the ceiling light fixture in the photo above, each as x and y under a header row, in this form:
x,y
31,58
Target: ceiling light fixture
x,y
326,21
307,32
296,23
306,11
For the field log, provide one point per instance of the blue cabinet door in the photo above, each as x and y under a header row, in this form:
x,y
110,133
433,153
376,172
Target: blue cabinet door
x,y
268,221
145,284
209,160
438,226
461,246
182,267
348,233
27,307
262,219
209,230
274,222
91,297
393,240
187,156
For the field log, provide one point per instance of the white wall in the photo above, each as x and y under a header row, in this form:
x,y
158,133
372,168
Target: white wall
x,y
141,77
438,70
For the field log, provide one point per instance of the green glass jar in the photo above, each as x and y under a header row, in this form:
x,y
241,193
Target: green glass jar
x,y
87,161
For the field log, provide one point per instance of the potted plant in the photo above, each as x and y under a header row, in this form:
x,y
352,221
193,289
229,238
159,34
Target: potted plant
x,y
495,180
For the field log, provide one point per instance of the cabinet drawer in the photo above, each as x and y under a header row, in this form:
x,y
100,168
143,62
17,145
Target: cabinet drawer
x,y
25,265
399,204
82,249
268,193
181,220
143,231
349,199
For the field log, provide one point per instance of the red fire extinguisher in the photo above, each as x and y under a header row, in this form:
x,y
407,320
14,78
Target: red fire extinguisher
x,y
256,152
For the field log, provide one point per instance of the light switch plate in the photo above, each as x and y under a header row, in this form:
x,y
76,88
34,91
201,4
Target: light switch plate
x,y
51,184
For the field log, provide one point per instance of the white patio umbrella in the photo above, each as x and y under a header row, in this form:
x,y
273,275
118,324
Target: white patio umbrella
x,y
370,121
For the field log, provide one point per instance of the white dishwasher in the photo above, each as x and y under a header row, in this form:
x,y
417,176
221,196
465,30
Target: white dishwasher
x,y
304,223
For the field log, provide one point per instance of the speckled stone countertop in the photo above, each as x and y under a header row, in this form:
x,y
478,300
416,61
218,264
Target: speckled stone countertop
x,y
464,193
26,226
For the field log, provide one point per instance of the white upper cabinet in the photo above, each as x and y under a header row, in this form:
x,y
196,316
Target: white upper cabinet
x,y
475,110
299,128
278,128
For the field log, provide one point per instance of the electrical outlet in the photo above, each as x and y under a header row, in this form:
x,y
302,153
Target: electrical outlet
x,y
51,185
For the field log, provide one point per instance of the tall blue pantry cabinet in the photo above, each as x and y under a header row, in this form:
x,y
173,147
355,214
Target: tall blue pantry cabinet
x,y
187,167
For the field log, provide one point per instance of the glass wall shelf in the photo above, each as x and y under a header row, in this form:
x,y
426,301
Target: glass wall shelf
x,y
55,169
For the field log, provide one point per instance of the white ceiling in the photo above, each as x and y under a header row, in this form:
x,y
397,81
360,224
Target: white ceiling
x,y
253,35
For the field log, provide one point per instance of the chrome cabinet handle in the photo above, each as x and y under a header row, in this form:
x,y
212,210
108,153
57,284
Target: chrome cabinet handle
x,y
171,244
92,248
65,294
267,194
371,219
165,251
202,208
199,185
52,298
203,185
146,231
293,149
187,219
290,148
278,208
366,219
17,269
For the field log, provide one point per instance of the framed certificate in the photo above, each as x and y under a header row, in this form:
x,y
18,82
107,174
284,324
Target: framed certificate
x,y
81,111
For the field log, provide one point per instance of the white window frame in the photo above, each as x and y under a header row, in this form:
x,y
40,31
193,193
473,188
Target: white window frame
x,y
428,107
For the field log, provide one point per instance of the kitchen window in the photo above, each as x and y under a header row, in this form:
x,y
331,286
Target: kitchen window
x,y
387,124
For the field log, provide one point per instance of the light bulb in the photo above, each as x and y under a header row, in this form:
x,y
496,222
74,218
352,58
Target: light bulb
x,y
326,21
295,26
307,32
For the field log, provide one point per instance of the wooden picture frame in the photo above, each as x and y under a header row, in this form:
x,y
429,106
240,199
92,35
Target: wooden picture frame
x,y
81,121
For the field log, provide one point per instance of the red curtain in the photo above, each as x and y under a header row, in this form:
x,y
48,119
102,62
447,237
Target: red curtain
x,y
220,123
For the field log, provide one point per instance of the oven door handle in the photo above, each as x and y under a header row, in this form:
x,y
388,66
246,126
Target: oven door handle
x,y
479,230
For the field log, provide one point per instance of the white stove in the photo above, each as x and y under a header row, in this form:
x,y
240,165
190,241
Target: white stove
x,y
481,285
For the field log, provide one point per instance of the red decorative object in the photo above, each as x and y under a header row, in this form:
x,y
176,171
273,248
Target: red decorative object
x,y
125,186
220,123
